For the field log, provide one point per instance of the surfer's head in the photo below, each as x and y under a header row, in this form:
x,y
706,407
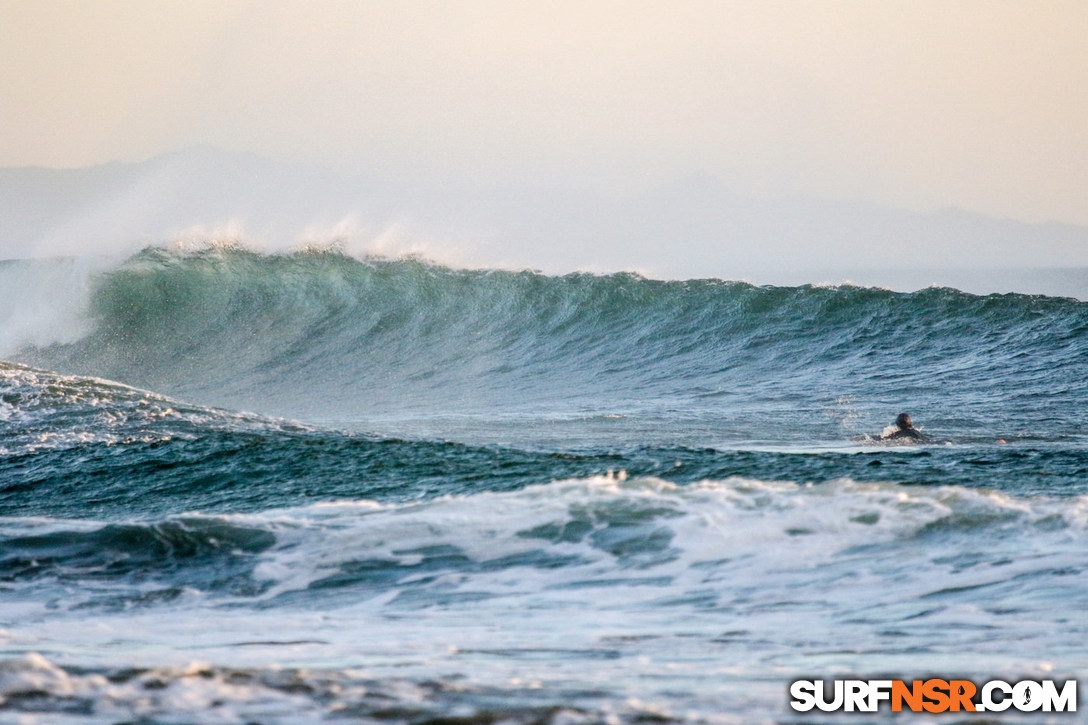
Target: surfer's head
x,y
903,421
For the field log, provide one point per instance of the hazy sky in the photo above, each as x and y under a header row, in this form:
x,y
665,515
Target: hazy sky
x,y
980,104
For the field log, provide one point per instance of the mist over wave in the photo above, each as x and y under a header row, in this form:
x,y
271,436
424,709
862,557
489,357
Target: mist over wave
x,y
692,226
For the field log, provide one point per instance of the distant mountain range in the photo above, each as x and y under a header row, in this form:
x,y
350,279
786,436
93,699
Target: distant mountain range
x,y
692,228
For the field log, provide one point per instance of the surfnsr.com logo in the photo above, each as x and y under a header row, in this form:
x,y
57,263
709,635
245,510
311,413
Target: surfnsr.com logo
x,y
933,695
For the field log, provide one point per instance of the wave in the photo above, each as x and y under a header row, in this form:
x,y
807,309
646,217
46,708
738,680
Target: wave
x,y
691,544
322,336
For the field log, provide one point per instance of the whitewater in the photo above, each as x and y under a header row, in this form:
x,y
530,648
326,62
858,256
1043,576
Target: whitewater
x,y
239,486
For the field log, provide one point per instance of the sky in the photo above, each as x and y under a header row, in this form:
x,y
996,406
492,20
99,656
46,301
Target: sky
x,y
918,104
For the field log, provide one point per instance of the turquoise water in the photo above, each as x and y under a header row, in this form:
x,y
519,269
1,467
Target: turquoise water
x,y
387,489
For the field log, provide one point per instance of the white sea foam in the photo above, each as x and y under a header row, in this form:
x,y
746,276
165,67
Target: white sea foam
x,y
721,590
45,301
50,411
167,695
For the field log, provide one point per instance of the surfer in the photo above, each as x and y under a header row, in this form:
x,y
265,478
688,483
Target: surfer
x,y
903,430
906,429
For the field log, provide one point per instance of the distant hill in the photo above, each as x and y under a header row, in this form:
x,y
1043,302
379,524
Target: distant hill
x,y
694,227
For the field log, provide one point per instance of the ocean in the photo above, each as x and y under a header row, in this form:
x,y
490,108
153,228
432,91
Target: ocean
x,y
241,487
